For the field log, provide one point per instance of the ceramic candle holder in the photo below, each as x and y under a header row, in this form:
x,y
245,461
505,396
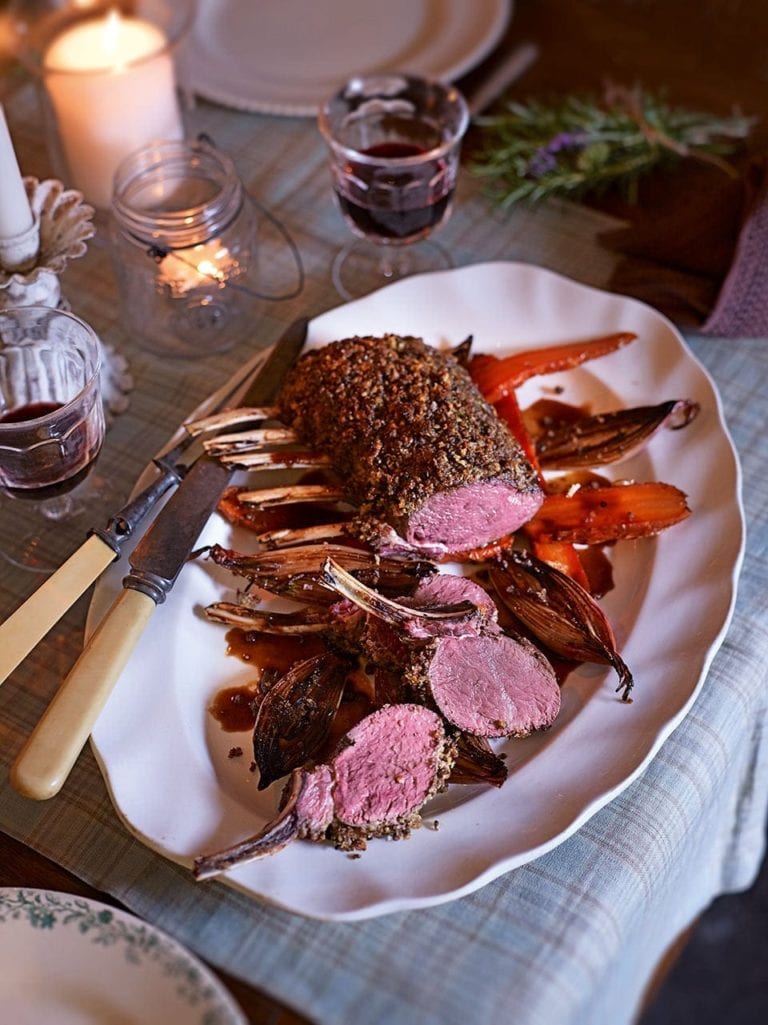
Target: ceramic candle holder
x,y
65,223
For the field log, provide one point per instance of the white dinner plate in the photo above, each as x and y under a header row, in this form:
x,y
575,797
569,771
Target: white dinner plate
x,y
288,56
72,961
166,761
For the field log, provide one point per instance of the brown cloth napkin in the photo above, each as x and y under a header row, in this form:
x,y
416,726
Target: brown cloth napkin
x,y
697,249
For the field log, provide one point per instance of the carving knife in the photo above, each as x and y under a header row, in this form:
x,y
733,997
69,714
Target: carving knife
x,y
32,620
52,748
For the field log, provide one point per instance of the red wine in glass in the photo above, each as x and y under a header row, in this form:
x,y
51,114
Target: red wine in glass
x,y
52,470
51,430
401,203
393,141
31,411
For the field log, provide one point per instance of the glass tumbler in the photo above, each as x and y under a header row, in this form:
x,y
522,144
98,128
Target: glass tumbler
x,y
51,423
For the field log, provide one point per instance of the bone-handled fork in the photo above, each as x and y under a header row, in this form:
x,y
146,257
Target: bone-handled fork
x,y
25,627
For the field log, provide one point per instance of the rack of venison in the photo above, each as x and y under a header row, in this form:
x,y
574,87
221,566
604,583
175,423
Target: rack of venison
x,y
437,565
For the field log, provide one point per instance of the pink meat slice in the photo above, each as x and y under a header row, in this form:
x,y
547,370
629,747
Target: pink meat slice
x,y
471,516
389,767
445,589
389,645
493,685
314,805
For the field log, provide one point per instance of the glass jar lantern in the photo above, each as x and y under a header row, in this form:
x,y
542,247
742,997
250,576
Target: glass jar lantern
x,y
184,246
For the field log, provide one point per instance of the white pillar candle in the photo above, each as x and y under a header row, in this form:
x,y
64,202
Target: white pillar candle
x,y
111,84
15,213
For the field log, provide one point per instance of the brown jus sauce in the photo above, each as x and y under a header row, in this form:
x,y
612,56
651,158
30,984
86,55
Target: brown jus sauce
x,y
270,656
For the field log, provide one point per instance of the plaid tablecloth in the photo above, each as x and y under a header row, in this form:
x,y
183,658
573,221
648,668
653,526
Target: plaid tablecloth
x,y
569,939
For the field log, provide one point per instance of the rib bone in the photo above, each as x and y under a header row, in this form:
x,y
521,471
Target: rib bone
x,y
272,838
249,440
283,459
291,494
333,575
290,563
230,417
303,622
302,535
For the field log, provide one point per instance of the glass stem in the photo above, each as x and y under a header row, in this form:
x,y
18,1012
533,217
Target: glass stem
x,y
394,262
59,508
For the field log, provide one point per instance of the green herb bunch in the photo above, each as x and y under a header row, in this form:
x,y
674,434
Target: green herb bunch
x,y
579,145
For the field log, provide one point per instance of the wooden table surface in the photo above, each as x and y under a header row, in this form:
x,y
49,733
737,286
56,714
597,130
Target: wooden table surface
x,y
709,54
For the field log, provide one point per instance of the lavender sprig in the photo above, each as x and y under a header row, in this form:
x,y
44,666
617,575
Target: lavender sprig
x,y
579,145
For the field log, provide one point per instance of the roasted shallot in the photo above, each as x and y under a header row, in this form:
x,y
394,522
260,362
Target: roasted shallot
x,y
558,612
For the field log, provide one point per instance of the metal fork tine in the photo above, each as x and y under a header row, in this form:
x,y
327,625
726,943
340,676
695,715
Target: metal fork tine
x,y
168,456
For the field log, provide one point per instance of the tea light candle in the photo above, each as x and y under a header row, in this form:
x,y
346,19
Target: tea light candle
x,y
111,84
18,242
207,265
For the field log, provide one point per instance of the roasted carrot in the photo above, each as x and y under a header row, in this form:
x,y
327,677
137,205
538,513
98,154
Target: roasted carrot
x,y
599,515
497,377
509,411
487,552
560,554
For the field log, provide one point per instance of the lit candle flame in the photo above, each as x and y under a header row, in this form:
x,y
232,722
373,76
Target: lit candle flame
x,y
209,269
111,34
206,264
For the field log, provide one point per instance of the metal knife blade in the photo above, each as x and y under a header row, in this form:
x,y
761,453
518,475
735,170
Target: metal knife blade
x,y
45,761
160,555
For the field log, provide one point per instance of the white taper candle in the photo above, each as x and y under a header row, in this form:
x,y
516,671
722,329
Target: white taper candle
x,y
15,213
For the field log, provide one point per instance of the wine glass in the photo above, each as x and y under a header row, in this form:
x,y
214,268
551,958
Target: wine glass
x,y
51,424
394,144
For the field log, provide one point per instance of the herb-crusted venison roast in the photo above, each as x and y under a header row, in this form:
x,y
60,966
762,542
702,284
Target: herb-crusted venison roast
x,y
420,451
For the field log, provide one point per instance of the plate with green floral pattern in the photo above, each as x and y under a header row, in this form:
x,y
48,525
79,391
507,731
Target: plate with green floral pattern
x,y
75,961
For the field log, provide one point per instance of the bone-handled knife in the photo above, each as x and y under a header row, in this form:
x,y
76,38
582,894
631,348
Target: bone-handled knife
x,y
32,620
45,761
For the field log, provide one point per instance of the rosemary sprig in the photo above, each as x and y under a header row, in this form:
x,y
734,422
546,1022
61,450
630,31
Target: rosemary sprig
x,y
579,145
